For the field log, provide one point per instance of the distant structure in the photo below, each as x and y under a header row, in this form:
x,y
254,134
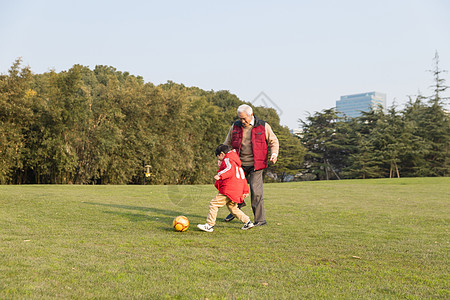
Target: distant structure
x,y
296,131
352,105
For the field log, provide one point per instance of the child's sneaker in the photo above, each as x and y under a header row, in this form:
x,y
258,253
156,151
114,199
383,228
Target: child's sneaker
x,y
229,218
248,225
206,227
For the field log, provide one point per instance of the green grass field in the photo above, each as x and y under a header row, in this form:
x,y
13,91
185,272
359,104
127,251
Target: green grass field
x,y
377,239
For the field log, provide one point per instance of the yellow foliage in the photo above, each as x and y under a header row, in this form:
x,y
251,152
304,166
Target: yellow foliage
x,y
31,93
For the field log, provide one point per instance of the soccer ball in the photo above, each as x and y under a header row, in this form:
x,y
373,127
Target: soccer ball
x,y
181,223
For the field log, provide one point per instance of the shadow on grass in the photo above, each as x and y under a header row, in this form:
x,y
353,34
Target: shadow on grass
x,y
165,216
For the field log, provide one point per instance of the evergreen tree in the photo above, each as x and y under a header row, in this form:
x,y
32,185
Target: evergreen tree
x,y
415,163
319,138
366,158
436,123
363,163
291,152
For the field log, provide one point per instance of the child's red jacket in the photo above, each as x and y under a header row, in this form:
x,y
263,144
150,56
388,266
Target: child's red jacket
x,y
232,182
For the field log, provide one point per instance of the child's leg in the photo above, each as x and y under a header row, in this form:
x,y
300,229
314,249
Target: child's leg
x,y
233,208
219,201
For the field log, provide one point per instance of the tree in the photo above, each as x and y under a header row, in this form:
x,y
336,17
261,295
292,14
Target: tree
x,y
365,159
436,122
363,163
319,138
16,117
430,126
291,152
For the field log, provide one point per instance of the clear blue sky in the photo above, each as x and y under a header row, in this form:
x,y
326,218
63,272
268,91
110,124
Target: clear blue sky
x,y
303,54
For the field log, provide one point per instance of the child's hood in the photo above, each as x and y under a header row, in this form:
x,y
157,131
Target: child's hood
x,y
234,157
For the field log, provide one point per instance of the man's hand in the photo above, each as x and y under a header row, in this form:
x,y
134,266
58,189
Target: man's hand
x,y
217,177
245,195
273,158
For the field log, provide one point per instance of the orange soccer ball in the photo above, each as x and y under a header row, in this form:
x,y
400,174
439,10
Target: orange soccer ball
x,y
181,223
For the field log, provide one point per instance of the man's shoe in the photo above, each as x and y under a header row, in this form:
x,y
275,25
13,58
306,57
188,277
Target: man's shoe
x,y
229,218
248,225
262,223
205,227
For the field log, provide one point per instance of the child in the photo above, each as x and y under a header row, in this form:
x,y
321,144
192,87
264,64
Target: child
x,y
232,186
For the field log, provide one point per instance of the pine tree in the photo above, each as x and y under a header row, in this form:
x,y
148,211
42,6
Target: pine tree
x,y
363,163
291,152
319,138
436,124
367,159
415,163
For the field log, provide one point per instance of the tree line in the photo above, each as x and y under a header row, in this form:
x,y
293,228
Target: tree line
x,y
103,126
410,142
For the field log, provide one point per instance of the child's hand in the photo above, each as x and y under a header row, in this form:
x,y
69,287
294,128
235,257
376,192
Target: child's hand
x,y
217,177
245,195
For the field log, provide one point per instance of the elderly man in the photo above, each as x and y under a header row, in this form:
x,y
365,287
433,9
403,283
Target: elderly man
x,y
251,138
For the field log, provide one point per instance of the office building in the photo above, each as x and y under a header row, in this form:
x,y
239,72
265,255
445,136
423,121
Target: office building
x,y
352,105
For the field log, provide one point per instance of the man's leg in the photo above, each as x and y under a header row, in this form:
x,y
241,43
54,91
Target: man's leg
x,y
255,179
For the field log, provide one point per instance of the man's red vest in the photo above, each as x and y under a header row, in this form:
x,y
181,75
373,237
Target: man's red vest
x,y
259,143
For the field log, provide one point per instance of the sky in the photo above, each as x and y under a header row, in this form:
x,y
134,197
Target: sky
x,y
298,57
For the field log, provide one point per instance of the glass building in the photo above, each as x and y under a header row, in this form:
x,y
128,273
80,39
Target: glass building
x,y
352,105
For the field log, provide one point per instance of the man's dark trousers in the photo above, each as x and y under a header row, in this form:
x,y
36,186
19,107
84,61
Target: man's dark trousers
x,y
255,179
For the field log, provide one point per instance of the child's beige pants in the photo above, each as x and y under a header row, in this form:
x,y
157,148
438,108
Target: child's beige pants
x,y
219,201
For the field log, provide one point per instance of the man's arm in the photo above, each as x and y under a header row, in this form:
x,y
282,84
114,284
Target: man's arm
x,y
273,143
228,138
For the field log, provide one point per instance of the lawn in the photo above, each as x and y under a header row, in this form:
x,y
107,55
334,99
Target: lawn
x,y
377,239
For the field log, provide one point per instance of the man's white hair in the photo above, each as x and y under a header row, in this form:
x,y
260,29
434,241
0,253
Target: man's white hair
x,y
244,108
